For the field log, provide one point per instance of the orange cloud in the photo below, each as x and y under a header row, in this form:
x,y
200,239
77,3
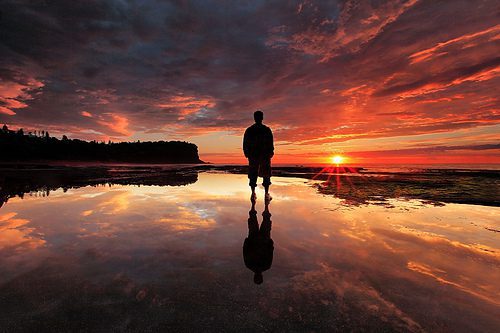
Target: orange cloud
x,y
465,41
13,94
86,114
435,82
117,123
186,105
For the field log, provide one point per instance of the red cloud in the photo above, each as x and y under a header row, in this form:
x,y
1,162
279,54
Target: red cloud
x,y
359,23
15,94
186,105
462,42
116,123
86,114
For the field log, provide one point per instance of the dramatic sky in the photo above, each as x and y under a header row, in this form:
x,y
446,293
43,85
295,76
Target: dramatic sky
x,y
394,81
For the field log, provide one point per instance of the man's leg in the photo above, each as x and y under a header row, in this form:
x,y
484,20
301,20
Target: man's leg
x,y
266,174
253,170
266,184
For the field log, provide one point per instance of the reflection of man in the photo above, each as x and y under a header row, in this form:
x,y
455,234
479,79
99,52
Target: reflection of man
x,y
258,147
258,246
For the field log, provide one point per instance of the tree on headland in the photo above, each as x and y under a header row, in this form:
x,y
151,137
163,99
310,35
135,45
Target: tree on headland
x,y
15,146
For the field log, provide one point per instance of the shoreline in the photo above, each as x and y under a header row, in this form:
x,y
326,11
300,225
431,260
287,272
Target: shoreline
x,y
363,186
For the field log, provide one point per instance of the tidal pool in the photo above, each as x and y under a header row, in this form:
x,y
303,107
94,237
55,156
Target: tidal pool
x,y
156,258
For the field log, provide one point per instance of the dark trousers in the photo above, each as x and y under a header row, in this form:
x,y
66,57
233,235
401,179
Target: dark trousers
x,y
259,168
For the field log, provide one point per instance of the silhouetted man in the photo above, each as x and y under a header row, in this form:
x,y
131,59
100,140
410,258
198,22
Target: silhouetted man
x,y
258,147
258,247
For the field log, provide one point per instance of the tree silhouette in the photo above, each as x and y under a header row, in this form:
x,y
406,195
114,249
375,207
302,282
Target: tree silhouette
x,y
15,146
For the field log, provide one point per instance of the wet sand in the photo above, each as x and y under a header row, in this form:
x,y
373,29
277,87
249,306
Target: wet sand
x,y
108,253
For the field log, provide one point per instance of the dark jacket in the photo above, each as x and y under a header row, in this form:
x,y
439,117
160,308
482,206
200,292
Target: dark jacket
x,y
258,142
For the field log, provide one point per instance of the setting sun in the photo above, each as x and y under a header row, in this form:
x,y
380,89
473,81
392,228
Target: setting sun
x,y
337,159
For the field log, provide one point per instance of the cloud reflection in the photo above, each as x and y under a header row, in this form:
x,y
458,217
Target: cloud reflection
x,y
413,267
15,235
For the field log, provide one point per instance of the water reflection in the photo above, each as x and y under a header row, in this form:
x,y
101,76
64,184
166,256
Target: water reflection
x,y
376,185
258,247
39,182
153,258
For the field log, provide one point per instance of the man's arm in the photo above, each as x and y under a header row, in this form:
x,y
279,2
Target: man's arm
x,y
246,143
271,144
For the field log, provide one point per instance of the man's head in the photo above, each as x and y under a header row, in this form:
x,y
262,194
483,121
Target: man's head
x,y
258,116
258,278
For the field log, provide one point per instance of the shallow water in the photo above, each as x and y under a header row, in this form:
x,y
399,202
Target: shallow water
x,y
127,257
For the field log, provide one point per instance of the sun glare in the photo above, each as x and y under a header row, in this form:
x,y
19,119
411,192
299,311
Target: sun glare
x,y
337,159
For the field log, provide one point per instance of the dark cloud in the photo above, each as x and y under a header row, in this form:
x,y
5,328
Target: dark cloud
x,y
322,71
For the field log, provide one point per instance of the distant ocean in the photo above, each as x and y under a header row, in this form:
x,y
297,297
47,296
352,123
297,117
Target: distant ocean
x,y
402,167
